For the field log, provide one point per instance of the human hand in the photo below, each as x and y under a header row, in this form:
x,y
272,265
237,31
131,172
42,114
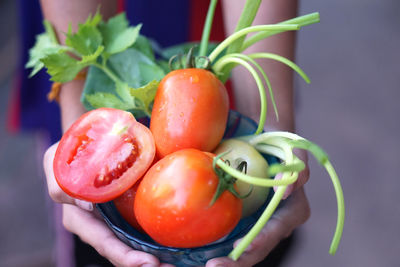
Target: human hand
x,y
288,217
80,218
303,176
292,214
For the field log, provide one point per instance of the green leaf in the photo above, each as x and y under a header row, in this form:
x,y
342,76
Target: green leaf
x,y
50,31
108,100
123,91
135,68
117,34
43,47
86,40
93,57
46,44
96,81
146,94
144,45
62,67
95,20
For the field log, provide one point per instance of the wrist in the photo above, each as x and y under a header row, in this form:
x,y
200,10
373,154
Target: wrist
x,y
70,105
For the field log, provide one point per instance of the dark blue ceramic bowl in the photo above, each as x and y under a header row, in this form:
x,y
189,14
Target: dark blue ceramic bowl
x,y
238,125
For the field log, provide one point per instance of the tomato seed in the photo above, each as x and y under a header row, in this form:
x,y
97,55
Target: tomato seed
x,y
84,140
106,175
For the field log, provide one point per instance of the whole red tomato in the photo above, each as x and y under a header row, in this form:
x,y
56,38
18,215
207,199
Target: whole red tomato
x,y
124,205
102,155
172,203
190,111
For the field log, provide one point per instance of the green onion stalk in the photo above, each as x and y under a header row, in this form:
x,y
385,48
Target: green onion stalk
x,y
229,54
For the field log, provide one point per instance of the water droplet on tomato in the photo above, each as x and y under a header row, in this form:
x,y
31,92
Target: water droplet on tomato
x,y
194,79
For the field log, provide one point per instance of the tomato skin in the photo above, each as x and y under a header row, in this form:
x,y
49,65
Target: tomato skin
x,y
190,111
172,203
124,204
102,155
238,151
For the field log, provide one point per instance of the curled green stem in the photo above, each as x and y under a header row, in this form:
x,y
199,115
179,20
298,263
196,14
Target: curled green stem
x,y
250,59
341,208
296,141
268,212
224,44
301,21
283,60
263,98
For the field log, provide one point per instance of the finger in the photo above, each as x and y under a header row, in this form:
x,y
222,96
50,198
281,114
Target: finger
x,y
301,179
295,212
102,239
261,246
289,188
304,174
55,192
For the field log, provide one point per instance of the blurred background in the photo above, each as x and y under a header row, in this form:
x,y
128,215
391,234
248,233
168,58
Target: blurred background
x,y
350,109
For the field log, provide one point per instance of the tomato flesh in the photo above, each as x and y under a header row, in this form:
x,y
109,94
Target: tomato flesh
x,y
102,155
172,203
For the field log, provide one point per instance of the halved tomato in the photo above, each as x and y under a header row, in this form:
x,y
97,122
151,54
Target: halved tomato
x,y
102,155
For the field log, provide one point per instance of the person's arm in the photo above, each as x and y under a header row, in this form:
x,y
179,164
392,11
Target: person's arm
x,y
79,216
296,209
280,75
61,15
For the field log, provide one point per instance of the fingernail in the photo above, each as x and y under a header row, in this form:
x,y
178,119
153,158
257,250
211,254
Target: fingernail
x,y
288,191
148,265
84,205
286,194
249,248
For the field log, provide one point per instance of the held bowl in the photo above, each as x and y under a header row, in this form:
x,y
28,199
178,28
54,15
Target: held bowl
x,y
238,125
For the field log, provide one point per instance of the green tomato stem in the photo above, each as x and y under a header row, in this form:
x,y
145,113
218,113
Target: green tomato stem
x,y
224,44
263,98
207,28
108,72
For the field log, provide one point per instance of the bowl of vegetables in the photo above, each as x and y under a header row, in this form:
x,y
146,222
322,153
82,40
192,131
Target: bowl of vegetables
x,y
178,186
131,234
